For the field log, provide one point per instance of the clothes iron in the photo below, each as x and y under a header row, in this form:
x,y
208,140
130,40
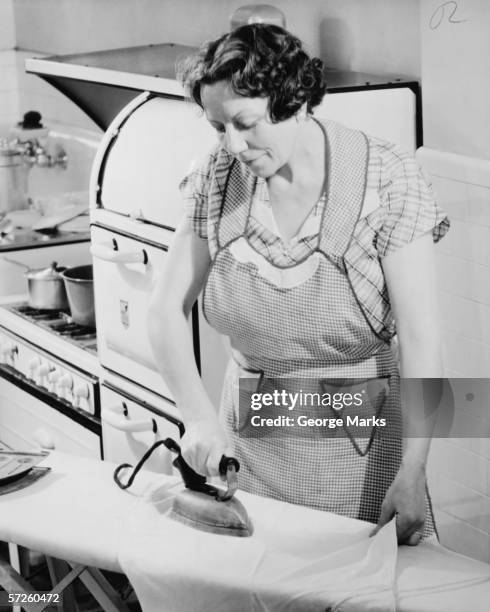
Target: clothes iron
x,y
206,507
201,505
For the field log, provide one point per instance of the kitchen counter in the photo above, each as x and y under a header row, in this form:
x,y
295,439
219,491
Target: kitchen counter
x,y
81,516
28,239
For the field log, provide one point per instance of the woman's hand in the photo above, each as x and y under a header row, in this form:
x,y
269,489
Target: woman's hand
x,y
204,443
406,499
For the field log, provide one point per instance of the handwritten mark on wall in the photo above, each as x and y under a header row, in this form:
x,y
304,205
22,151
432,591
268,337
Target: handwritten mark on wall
x,y
444,12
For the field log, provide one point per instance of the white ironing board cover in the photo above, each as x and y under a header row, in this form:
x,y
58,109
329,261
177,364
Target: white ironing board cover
x,y
75,512
298,558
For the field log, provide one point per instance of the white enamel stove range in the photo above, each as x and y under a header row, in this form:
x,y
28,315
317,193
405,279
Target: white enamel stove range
x,y
49,381
135,207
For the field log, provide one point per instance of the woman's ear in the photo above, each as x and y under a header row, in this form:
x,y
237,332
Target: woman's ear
x,y
302,113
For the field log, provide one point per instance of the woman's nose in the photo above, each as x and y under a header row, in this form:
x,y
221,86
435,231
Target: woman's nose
x,y
234,141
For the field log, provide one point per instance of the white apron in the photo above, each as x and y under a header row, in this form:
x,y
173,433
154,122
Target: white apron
x,y
308,326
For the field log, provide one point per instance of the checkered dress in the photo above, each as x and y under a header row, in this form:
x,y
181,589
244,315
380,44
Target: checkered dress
x,y
331,320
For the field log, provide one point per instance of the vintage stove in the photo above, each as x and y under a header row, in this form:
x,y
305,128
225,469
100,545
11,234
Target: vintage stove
x,y
49,381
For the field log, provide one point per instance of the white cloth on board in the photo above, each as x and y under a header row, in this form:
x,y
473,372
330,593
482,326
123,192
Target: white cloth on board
x,y
297,560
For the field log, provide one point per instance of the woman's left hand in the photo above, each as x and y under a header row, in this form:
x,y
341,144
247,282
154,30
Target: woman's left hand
x,y
406,499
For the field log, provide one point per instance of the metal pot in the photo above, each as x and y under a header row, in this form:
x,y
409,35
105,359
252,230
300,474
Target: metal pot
x,y
79,286
46,286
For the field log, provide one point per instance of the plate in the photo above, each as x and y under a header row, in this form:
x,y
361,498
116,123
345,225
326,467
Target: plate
x,y
15,464
52,220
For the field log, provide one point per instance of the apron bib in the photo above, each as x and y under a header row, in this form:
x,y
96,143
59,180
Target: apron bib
x,y
304,323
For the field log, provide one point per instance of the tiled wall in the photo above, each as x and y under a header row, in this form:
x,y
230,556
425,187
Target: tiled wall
x,y
459,467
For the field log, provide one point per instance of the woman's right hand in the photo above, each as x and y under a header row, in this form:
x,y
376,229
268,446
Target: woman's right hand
x,y
204,443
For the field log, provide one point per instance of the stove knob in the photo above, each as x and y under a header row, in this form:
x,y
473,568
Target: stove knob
x,y
8,349
34,364
44,369
54,375
81,391
66,382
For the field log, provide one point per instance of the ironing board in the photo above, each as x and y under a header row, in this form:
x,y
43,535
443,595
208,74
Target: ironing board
x,y
77,513
72,513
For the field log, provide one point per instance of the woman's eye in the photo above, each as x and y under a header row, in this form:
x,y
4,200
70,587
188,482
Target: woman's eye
x,y
243,126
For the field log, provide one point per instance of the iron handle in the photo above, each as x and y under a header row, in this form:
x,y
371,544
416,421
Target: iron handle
x,y
228,466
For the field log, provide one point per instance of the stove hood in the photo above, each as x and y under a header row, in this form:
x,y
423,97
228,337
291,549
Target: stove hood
x,y
101,83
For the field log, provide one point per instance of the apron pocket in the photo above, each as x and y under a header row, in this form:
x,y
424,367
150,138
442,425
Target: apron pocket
x,y
247,382
359,403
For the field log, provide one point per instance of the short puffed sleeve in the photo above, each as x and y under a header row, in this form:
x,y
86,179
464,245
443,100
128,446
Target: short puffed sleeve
x,y
195,189
409,208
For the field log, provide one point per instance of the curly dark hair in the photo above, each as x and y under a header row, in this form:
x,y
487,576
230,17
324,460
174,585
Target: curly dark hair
x,y
258,60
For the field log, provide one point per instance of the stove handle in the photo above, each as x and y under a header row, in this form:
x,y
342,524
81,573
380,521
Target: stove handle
x,y
108,253
117,419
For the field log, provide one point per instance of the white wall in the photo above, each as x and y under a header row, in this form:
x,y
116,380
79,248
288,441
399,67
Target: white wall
x,y
382,37
7,26
455,73
379,35
9,96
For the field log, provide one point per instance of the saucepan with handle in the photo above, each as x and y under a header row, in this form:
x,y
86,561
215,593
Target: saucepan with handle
x,y
45,285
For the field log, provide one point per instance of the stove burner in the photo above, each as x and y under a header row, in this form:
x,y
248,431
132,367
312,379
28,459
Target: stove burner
x,y
60,323
40,314
74,330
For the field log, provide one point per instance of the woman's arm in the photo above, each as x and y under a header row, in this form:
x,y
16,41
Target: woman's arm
x,y
411,281
176,290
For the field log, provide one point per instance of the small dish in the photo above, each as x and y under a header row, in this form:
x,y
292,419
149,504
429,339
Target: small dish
x,y
15,464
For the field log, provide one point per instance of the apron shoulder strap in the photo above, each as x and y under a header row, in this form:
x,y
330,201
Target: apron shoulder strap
x,y
349,160
236,203
347,163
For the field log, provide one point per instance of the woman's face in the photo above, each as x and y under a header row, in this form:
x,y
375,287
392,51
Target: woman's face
x,y
246,130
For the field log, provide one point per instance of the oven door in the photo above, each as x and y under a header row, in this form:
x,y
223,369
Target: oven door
x,y
130,425
147,150
125,270
32,417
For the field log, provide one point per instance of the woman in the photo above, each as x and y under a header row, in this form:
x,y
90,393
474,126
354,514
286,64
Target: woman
x,y
313,243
